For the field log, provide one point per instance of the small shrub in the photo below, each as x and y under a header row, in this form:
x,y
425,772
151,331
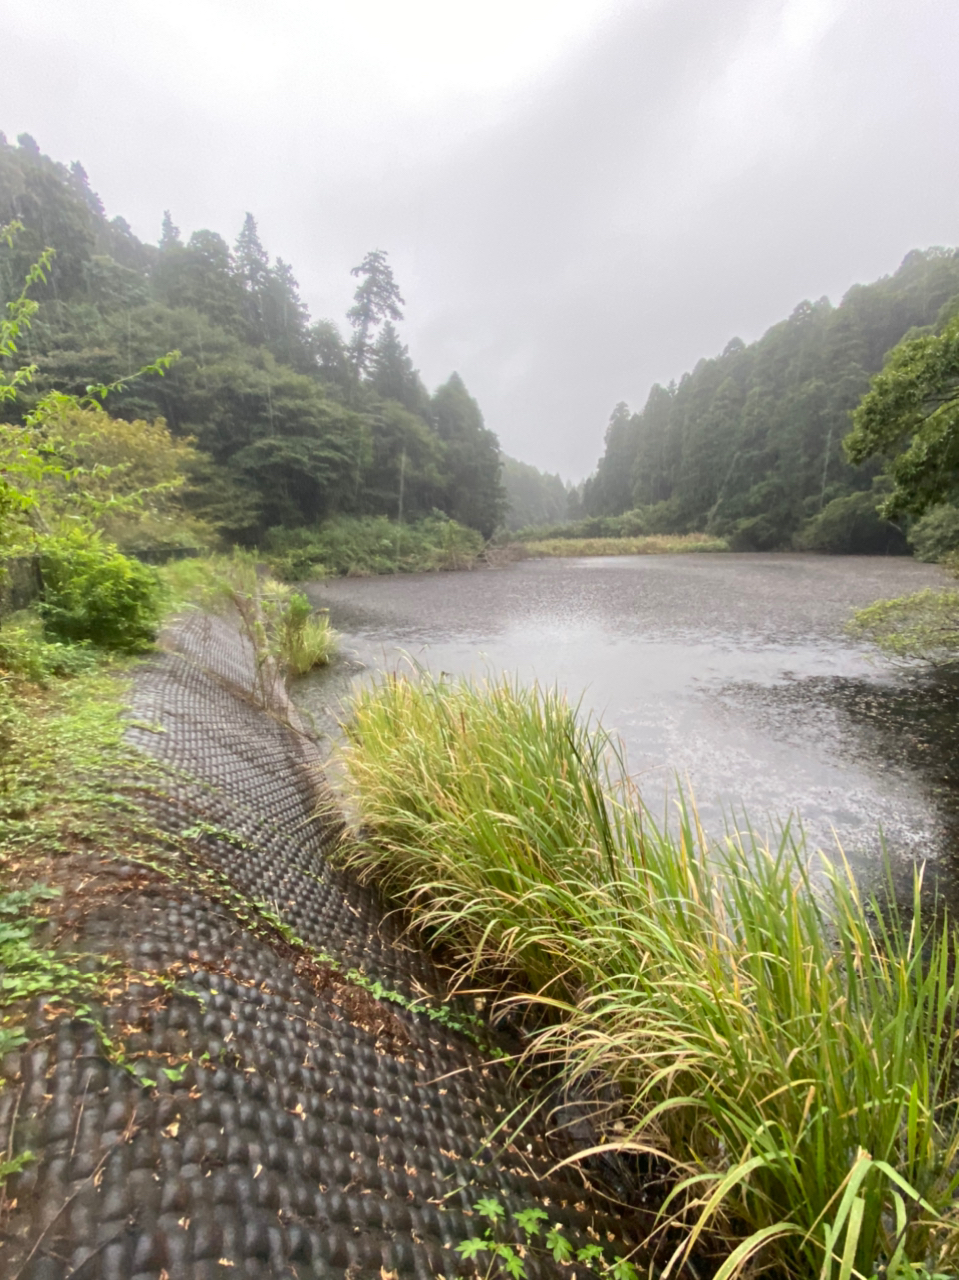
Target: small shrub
x,y
94,593
26,654
936,535
304,639
755,533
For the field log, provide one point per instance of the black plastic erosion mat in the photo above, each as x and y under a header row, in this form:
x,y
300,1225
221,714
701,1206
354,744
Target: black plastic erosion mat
x,y
244,1105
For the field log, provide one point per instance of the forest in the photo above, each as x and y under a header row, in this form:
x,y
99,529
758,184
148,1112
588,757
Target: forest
x,y
281,421
283,425
749,446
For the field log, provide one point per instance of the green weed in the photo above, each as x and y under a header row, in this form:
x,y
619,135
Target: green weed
x,y
532,1235
26,654
28,971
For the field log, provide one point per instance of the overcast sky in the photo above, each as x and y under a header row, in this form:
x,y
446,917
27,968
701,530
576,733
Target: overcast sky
x,y
579,197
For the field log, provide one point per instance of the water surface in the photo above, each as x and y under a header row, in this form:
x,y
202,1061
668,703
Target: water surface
x,y
730,671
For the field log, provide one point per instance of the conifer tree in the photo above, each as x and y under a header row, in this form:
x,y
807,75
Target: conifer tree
x,y
377,298
252,267
169,233
392,375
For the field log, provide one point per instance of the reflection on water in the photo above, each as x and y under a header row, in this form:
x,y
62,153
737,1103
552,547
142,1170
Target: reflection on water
x,y
731,672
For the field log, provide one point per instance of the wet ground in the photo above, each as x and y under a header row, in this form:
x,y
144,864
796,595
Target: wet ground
x,y
730,671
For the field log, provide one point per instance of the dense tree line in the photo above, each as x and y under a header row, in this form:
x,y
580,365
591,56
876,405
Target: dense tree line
x,y
534,498
293,421
749,445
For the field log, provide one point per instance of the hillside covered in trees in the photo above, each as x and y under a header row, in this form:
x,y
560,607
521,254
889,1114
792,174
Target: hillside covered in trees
x,y
749,445
293,422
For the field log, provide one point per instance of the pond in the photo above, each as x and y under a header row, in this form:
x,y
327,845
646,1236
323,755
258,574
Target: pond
x,y
730,673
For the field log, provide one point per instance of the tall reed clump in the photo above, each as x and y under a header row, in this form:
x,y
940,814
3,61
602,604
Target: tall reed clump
x,y
790,1049
279,622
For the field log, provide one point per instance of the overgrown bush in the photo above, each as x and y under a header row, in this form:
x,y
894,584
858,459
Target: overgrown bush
x,y
27,654
91,592
363,546
852,525
936,535
755,533
280,623
659,518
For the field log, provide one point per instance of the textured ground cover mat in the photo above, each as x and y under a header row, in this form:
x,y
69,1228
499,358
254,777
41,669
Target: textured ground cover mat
x,y
244,1101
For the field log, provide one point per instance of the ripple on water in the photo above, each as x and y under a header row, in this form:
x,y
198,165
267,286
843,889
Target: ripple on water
x,y
732,671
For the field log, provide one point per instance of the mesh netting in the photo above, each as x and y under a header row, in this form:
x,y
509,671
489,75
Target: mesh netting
x,y
297,1125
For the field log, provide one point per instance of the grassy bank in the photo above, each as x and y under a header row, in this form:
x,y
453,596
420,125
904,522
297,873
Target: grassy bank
x,y
787,1048
359,547
61,750
652,545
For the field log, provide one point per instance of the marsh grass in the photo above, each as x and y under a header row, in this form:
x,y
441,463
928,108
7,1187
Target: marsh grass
x,y
649,545
305,639
279,622
790,1048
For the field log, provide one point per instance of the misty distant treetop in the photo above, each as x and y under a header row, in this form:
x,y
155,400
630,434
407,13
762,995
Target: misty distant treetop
x,y
169,233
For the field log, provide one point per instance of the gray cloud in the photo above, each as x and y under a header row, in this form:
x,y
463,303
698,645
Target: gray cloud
x,y
685,172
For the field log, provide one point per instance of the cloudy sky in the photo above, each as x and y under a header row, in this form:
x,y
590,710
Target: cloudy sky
x,y
579,197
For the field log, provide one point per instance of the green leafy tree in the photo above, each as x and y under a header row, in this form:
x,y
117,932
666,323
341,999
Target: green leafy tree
x,y
936,534
292,423
208,281
404,472
910,419
611,489
748,443
91,591
81,183
43,199
169,234
377,298
331,355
